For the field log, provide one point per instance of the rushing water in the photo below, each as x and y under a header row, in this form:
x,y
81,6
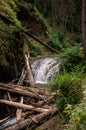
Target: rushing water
x,y
44,70
9,122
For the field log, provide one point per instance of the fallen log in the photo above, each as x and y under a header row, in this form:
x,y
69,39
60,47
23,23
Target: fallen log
x,y
22,77
7,85
33,121
19,111
29,71
23,106
19,91
40,91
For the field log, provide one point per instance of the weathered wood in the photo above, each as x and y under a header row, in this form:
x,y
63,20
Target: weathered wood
x,y
35,120
41,91
6,118
37,89
22,77
19,111
43,105
8,85
27,114
8,94
19,91
23,106
51,98
29,71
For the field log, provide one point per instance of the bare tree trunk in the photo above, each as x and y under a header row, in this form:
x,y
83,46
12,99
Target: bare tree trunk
x,y
53,19
29,71
84,26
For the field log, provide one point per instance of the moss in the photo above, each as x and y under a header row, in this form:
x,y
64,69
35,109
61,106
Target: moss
x,y
9,10
12,39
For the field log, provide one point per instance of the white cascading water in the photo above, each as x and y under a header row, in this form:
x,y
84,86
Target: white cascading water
x,y
45,70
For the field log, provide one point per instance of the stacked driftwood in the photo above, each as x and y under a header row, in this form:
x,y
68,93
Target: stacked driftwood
x,y
35,107
31,105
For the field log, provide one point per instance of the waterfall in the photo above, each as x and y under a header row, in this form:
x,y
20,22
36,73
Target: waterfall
x,y
44,70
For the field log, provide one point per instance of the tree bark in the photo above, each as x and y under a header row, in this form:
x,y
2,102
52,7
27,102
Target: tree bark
x,y
22,77
20,91
84,26
23,106
35,120
29,71
52,12
19,111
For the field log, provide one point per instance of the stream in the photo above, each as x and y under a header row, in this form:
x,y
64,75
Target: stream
x,y
44,70
7,123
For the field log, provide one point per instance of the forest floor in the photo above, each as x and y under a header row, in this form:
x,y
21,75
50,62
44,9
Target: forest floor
x,y
54,123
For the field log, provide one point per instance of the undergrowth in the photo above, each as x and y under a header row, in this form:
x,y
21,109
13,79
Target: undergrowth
x,y
58,40
71,91
71,57
69,86
33,48
77,116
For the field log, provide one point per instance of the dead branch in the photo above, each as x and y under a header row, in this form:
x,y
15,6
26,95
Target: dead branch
x,y
29,71
22,77
31,123
23,106
18,91
19,111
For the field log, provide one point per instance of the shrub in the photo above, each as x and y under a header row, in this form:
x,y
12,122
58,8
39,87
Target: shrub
x,y
70,88
35,49
71,57
54,42
78,115
32,47
58,40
